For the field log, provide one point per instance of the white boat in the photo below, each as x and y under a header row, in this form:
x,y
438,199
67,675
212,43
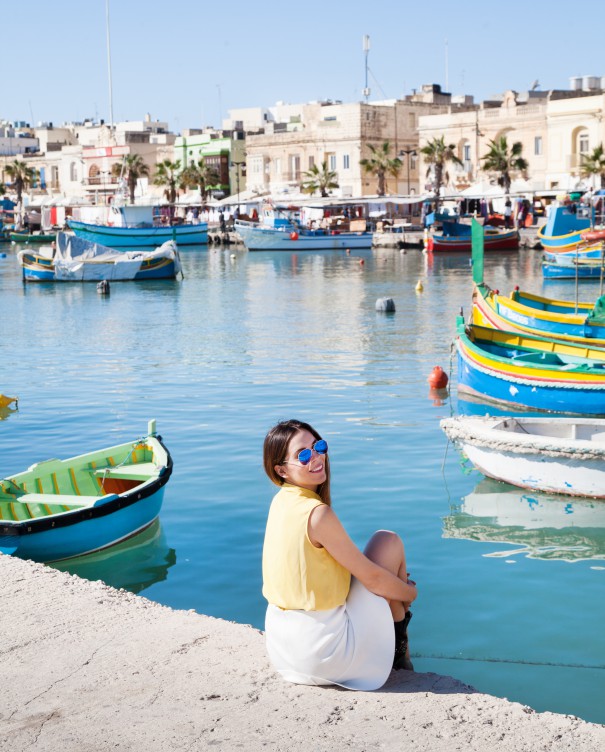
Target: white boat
x,y
554,455
280,230
74,259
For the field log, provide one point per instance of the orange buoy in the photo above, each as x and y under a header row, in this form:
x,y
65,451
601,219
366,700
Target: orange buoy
x,y
438,378
293,235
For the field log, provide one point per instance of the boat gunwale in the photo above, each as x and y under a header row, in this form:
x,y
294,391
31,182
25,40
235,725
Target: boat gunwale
x,y
121,501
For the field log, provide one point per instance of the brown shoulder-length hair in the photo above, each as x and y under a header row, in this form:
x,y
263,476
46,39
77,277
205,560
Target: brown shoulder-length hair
x,y
275,451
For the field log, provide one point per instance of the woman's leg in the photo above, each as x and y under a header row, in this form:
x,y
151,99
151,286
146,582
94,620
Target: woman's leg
x,y
386,549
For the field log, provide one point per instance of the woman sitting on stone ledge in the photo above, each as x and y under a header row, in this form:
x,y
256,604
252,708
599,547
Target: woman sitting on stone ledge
x,y
331,607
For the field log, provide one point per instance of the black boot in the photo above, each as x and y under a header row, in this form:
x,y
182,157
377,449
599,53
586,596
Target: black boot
x,y
402,657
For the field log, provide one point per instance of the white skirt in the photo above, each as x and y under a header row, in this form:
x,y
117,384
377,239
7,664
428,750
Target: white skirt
x,y
351,645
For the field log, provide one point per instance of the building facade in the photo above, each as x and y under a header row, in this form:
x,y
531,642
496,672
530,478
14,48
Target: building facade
x,y
555,129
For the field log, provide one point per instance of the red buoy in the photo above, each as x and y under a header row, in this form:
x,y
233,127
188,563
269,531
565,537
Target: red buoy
x,y
361,262
438,378
293,235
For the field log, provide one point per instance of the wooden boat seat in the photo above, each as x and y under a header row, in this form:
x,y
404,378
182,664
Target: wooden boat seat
x,y
70,500
140,471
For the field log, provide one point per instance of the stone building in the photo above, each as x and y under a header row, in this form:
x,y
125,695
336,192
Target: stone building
x,y
285,141
555,128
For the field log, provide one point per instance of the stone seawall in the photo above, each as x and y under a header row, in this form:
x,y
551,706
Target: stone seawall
x,y
89,668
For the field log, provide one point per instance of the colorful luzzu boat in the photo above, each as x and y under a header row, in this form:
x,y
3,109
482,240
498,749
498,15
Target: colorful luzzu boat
x,y
532,373
62,508
456,236
523,312
564,228
75,259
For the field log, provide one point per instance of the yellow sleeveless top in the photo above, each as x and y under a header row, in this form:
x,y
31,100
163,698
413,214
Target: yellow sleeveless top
x,y
297,574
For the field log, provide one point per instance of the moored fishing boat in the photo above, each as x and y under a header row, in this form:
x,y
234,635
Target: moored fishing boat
x,y
57,509
529,372
134,226
280,230
532,314
75,259
564,227
554,455
581,263
32,238
456,236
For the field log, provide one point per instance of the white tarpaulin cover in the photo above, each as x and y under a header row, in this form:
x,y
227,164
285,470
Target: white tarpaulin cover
x,y
79,259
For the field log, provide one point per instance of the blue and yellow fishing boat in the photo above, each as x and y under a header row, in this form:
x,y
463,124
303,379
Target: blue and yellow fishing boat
x,y
58,509
521,311
564,227
73,259
528,372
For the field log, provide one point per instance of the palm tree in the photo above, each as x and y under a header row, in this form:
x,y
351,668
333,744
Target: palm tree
x,y
167,175
437,154
21,176
501,160
319,179
380,164
132,168
594,164
200,175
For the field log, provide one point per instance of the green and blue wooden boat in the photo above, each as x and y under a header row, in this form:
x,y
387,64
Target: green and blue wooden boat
x,y
58,509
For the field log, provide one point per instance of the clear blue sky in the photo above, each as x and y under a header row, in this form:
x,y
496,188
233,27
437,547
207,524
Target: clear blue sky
x,y
189,61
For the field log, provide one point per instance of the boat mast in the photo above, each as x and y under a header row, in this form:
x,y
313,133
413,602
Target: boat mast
x,y
366,49
109,67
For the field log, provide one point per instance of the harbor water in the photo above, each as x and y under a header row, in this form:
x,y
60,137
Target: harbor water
x,y
510,583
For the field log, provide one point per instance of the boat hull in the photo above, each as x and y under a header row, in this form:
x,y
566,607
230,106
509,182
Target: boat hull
x,y
29,239
506,314
37,268
137,237
505,241
539,473
92,535
531,380
542,454
257,238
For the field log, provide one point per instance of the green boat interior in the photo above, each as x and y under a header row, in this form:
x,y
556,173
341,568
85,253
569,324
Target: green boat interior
x,y
59,486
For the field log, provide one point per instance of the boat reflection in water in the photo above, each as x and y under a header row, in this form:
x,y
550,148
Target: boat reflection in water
x,y
135,564
544,526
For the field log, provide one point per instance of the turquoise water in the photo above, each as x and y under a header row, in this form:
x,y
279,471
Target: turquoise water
x,y
510,586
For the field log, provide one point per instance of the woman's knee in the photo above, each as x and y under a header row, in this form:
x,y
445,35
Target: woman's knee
x,y
386,548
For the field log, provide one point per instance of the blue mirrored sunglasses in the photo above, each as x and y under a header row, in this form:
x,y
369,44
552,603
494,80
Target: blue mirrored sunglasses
x,y
304,456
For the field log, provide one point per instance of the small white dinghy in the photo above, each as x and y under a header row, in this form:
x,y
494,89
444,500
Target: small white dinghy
x,y
555,455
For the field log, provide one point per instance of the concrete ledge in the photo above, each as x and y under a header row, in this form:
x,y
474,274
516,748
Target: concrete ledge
x,y
86,667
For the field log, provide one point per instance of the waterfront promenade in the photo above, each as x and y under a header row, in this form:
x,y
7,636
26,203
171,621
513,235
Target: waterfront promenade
x,y
87,667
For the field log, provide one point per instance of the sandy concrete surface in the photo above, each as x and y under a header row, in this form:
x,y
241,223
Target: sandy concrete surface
x,y
86,667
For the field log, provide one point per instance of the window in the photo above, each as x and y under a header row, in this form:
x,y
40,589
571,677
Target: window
x,y
73,172
466,153
538,146
332,161
411,120
345,162
583,143
277,164
311,162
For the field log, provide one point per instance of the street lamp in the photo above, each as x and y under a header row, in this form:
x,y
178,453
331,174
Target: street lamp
x,y
410,153
237,165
